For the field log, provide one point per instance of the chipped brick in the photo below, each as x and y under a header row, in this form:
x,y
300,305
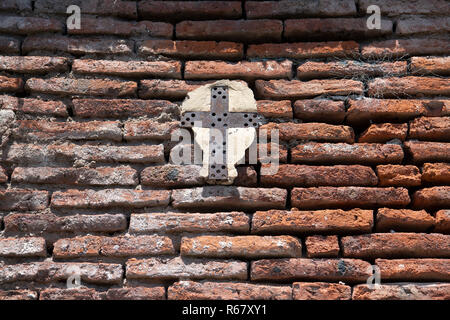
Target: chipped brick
x,y
322,247
438,173
404,291
33,64
430,65
320,110
434,197
149,130
403,220
430,128
383,132
22,247
428,151
442,221
23,200
414,269
398,175
321,291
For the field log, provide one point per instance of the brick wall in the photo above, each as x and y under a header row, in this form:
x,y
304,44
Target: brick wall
x,y
86,182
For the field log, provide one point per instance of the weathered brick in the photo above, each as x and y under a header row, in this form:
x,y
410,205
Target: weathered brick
x,y
243,247
311,131
160,69
343,153
190,290
320,110
102,176
435,197
18,295
383,132
20,5
415,25
407,7
122,108
414,269
9,45
430,128
403,220
176,268
231,30
123,246
3,176
29,25
9,84
22,247
436,173
246,70
119,8
428,151
348,68
77,46
294,89
403,291
148,129
50,223
183,10
321,291
167,89
47,130
187,49
274,109
69,294
239,198
430,65
442,221
334,29
23,199
398,175
33,64
312,222
333,270
336,197
193,222
408,86
304,50
94,87
322,247
39,107
393,245
137,293
294,9
110,198
290,175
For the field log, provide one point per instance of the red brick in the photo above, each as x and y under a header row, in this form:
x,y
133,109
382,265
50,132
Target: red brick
x,y
438,173
243,247
434,197
108,198
282,150
321,291
77,46
69,86
167,89
22,247
311,131
124,246
29,25
122,108
414,269
11,5
8,84
442,221
398,175
119,8
50,223
414,25
69,294
183,10
160,69
304,50
18,295
322,247
312,222
230,222
145,130
430,65
430,128
187,49
231,30
275,109
358,153
33,64
9,45
408,86
398,48
393,245
101,176
241,70
3,176
295,8
320,110
176,268
407,7
334,28
108,26
23,199
403,220
137,293
333,270
47,130
428,151
229,198
172,176
383,132
295,89
403,291
336,197
41,107
189,290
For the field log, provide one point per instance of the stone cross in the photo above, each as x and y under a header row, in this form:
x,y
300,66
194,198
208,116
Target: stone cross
x,y
218,120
